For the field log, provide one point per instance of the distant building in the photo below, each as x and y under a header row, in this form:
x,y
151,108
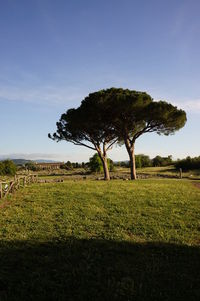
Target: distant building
x,y
49,166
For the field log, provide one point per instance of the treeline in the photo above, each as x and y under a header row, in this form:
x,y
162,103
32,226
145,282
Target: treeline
x,y
141,161
68,166
95,164
7,167
145,161
71,165
188,163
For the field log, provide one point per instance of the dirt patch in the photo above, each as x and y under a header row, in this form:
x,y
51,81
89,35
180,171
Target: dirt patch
x,y
197,185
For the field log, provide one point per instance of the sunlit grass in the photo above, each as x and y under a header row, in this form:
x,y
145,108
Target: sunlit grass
x,y
96,240
146,210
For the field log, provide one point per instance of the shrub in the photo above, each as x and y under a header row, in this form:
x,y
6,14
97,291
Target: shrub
x,y
68,165
162,161
188,163
95,164
142,161
31,166
8,167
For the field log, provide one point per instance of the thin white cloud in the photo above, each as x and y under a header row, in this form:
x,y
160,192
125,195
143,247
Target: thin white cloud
x,y
45,95
192,106
53,95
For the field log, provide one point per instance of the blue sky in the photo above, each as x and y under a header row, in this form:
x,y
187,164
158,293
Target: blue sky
x,y
53,53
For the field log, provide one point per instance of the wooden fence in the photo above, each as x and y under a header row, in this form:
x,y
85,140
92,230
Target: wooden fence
x,y
8,187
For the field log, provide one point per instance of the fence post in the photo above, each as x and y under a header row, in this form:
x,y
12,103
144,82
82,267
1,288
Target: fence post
x,y
12,186
180,173
18,183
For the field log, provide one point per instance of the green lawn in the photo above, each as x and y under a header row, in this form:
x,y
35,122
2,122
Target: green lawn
x,y
95,240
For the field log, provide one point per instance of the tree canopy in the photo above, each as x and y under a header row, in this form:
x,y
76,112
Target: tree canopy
x,y
117,115
135,113
87,126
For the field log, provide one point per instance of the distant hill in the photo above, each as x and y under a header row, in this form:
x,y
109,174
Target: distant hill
x,y
45,161
24,161
20,161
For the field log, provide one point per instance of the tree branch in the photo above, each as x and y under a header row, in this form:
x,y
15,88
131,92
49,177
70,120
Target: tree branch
x,y
82,144
109,146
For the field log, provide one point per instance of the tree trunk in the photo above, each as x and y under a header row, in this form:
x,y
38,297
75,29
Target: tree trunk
x,y
106,170
105,166
131,152
132,164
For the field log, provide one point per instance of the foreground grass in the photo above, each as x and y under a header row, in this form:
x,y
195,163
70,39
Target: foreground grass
x,y
88,240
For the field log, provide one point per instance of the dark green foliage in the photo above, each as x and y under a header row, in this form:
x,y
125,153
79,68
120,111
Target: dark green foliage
x,y
188,163
31,166
133,113
88,126
111,165
1,168
142,161
122,115
95,164
68,166
121,164
162,161
75,165
130,114
7,167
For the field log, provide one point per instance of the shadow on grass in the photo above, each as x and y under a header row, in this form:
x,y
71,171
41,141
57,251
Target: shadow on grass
x,y
98,270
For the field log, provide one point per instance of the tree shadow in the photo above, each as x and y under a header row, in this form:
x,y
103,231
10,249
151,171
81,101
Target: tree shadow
x,y
75,269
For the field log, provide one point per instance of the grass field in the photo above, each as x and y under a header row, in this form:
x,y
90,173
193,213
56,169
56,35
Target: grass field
x,y
122,172
96,240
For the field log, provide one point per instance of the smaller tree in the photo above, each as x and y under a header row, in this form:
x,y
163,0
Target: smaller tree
x,y
1,168
68,165
162,161
8,167
95,164
157,161
142,161
31,166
